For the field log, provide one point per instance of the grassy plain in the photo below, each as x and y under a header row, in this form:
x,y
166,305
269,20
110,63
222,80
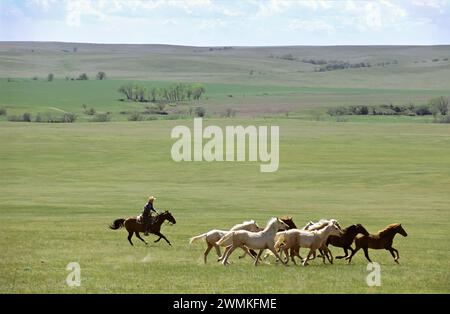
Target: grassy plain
x,y
62,184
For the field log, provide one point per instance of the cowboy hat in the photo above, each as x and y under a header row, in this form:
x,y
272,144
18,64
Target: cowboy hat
x,y
151,198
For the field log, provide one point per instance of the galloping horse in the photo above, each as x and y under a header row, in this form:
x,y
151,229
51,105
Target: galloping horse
x,y
215,235
345,240
133,226
382,240
246,240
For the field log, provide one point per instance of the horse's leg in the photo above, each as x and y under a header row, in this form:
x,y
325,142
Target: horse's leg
x,y
258,256
218,250
392,250
343,256
224,253
227,254
311,251
207,252
160,235
157,240
366,253
349,259
328,254
130,235
139,237
277,256
292,252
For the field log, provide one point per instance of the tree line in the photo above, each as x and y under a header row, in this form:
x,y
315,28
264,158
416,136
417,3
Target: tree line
x,y
172,93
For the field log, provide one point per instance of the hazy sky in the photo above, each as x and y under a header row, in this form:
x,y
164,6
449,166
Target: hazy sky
x,y
228,22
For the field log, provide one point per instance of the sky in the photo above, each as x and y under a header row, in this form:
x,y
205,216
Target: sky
x,y
228,22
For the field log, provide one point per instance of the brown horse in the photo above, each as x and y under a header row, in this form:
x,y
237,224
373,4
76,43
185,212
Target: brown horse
x,y
346,239
382,240
133,226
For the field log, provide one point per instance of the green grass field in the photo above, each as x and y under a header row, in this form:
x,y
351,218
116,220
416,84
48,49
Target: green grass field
x,y
62,184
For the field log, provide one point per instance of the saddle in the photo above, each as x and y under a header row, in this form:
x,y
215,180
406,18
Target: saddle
x,y
140,219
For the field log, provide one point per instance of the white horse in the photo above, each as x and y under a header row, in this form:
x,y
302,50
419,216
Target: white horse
x,y
320,224
309,226
261,240
214,235
294,239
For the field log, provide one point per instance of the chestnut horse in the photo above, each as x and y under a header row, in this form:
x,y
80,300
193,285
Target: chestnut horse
x,y
133,226
382,240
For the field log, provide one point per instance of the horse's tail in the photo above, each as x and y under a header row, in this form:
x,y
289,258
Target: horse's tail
x,y
196,238
117,224
225,238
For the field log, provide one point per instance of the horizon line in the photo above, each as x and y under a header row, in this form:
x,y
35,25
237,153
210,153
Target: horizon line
x,y
207,46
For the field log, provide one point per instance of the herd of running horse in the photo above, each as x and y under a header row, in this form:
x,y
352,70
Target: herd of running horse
x,y
280,236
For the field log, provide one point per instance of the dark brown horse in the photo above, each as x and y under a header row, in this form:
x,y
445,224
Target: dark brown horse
x,y
382,240
133,226
346,239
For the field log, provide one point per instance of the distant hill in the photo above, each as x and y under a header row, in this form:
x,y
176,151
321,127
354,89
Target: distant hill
x,y
424,67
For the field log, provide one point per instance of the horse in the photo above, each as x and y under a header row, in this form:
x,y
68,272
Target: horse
x,y
311,226
133,226
320,224
214,235
254,240
382,240
346,239
288,221
294,239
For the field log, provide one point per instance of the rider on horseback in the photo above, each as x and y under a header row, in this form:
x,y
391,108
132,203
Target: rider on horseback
x,y
147,214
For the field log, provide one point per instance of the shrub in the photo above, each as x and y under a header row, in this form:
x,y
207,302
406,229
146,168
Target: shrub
x,y
69,117
3,112
26,117
101,75
423,110
200,112
445,119
89,111
101,117
83,77
50,77
34,78
440,104
135,116
229,113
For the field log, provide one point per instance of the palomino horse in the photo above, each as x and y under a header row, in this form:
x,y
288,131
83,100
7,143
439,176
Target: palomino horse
x,y
214,235
382,240
254,240
288,221
294,239
346,239
133,226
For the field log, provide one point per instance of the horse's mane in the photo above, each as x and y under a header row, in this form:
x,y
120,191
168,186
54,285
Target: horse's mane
x,y
270,222
245,223
386,230
321,224
288,220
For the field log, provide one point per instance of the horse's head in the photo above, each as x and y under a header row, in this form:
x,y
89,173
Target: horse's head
x,y
334,228
335,222
400,230
280,225
252,226
288,221
360,229
168,216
